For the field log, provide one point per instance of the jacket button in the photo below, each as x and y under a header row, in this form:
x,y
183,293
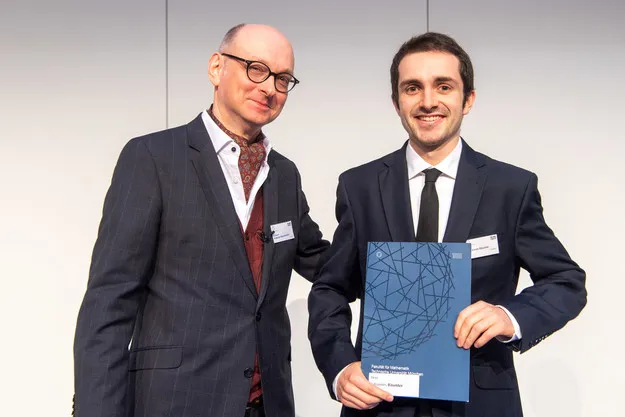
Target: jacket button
x,y
248,372
258,315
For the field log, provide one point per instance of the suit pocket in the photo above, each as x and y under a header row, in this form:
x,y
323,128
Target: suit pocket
x,y
487,377
158,357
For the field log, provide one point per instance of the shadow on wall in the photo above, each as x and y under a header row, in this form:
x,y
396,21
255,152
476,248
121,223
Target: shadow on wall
x,y
311,395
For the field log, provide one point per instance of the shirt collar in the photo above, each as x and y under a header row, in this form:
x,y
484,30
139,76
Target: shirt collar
x,y
221,140
448,166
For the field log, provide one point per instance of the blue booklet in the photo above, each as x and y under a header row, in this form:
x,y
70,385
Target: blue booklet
x,y
413,294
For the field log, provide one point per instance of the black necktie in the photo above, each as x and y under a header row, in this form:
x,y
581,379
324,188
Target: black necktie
x,y
427,229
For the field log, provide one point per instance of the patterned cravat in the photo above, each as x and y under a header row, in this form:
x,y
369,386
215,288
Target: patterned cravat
x,y
251,157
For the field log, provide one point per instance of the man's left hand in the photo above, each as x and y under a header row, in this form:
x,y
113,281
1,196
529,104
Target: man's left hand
x,y
479,323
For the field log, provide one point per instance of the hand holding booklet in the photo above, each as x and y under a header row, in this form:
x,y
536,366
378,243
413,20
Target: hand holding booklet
x,y
414,292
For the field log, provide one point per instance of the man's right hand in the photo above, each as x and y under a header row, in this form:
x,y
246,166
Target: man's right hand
x,y
355,391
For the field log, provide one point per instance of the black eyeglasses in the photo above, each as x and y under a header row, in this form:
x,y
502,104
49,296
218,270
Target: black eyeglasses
x,y
258,72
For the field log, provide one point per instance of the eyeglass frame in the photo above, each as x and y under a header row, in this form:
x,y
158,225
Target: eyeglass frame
x,y
275,74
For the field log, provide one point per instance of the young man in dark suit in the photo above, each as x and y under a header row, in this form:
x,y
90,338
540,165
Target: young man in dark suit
x,y
436,188
201,229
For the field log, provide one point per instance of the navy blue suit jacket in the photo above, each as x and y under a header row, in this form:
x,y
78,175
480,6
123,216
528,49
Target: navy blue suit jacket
x,y
490,197
170,272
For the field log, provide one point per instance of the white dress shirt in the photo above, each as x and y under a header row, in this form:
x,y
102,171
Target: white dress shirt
x,y
228,155
445,190
444,184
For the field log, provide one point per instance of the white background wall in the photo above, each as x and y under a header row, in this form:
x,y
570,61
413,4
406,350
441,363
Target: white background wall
x,y
80,78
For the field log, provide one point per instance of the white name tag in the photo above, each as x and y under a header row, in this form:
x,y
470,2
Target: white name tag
x,y
401,385
484,246
282,231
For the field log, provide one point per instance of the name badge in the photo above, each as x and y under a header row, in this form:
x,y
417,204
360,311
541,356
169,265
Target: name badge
x,y
484,246
282,231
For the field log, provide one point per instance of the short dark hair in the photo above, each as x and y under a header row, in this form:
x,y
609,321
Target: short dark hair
x,y
230,35
432,41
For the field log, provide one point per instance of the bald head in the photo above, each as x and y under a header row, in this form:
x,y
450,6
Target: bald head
x,y
229,36
254,38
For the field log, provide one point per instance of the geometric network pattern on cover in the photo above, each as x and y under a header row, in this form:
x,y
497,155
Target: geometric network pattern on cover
x,y
409,294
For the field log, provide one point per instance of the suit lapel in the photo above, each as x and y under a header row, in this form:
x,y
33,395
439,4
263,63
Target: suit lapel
x,y
466,196
218,196
270,216
395,194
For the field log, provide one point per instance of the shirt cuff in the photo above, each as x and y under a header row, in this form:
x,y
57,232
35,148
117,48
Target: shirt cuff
x,y
517,329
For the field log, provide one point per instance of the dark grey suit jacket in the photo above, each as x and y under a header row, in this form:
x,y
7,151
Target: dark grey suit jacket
x,y
490,197
170,272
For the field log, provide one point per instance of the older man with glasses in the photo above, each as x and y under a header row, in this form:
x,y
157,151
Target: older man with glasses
x,y
201,228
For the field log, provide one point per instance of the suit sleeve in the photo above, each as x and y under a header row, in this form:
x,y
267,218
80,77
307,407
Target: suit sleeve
x,y
122,262
310,244
337,284
558,294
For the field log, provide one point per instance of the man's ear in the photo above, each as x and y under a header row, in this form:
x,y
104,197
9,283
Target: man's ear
x,y
468,104
215,65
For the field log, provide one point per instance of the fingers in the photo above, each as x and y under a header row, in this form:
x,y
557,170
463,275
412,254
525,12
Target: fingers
x,y
352,392
479,323
357,401
483,324
355,391
487,336
465,314
363,384
375,391
466,319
